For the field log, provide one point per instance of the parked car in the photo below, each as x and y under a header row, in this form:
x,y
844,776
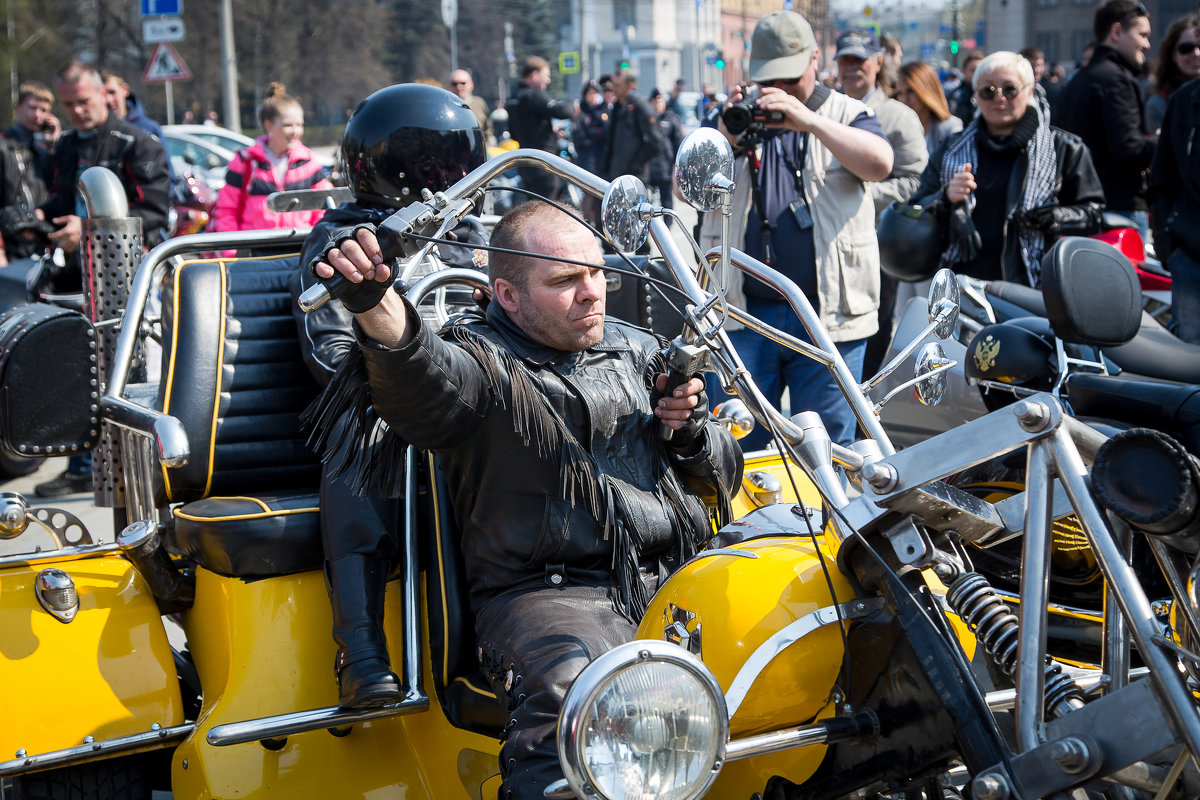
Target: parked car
x,y
222,137
205,160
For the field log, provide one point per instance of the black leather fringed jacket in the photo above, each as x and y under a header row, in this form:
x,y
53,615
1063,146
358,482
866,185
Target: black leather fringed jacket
x,y
553,459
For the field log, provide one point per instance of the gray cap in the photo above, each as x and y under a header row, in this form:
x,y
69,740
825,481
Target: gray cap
x,y
782,46
857,42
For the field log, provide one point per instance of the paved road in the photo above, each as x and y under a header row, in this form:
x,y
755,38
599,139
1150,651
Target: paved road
x,y
97,520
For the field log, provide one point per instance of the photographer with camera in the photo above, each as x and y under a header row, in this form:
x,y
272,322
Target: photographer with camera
x,y
806,155
25,172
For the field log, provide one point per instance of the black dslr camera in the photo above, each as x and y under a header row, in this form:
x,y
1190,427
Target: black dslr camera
x,y
747,116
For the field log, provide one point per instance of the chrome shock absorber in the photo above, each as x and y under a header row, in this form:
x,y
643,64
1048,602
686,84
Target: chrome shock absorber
x,y
998,631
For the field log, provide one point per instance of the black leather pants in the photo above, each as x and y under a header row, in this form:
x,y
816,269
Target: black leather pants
x,y
533,645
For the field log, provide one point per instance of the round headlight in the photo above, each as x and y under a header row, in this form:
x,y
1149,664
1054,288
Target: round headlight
x,y
645,720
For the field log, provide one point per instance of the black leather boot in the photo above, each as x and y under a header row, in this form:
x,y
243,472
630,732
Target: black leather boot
x,y
356,588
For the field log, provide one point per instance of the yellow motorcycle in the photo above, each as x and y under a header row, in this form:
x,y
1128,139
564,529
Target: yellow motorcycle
x,y
832,642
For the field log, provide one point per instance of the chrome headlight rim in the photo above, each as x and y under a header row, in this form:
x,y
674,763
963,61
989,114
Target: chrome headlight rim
x,y
597,676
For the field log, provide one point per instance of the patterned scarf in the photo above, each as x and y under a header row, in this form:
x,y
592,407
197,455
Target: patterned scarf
x,y
1041,184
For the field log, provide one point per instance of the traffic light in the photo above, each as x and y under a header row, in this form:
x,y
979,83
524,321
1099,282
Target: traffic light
x,y
719,63
624,65
954,47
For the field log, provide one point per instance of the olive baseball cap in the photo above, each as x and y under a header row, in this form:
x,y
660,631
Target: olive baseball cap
x,y
782,46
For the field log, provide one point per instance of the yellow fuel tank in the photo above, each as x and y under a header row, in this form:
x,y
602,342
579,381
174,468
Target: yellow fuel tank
x,y
107,673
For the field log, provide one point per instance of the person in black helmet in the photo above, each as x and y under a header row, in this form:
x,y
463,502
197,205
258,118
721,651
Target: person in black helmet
x,y
400,140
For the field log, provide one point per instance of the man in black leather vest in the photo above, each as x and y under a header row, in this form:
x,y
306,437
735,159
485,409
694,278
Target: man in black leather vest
x,y
546,419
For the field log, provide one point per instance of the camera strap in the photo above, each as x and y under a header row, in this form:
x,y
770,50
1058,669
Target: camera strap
x,y
794,166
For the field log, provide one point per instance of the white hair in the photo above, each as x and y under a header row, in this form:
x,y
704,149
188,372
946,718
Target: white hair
x,y
999,60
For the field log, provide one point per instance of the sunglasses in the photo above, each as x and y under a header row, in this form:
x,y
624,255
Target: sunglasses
x,y
1187,48
780,82
989,92
459,83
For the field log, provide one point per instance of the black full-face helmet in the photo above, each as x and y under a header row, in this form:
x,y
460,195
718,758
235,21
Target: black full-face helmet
x,y
406,138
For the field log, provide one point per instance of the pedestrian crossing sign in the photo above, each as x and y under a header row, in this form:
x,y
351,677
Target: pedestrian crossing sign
x,y
165,65
568,63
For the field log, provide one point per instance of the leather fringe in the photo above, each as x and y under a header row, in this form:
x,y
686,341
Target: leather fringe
x,y
351,439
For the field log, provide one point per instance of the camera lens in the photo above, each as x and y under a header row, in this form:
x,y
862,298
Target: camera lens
x,y
738,118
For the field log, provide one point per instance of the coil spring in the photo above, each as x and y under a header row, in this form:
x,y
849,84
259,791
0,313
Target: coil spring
x,y
998,630
988,617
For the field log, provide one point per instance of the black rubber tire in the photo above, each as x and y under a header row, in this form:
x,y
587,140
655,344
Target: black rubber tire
x,y
115,779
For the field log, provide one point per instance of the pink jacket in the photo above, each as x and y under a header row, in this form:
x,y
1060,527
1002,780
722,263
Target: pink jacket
x,y
242,201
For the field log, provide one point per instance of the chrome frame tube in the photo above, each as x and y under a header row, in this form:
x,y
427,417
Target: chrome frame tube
x,y
1114,658
1035,594
166,431
776,741
863,410
282,725
414,692
435,280
1175,700
1006,699
415,700
94,751
1167,562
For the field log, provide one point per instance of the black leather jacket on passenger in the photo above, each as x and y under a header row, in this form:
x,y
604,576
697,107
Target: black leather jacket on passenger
x,y
1077,193
553,459
326,334
134,156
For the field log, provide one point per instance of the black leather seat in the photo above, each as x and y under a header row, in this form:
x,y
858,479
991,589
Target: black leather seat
x,y
233,375
461,688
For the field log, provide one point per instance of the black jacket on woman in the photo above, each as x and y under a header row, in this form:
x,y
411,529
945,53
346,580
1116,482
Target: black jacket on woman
x,y
1075,211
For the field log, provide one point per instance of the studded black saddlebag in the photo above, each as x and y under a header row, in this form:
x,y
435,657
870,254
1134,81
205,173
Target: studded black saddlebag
x,y
49,381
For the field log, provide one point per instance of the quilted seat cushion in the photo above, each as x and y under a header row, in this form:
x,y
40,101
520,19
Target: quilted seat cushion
x,y
250,537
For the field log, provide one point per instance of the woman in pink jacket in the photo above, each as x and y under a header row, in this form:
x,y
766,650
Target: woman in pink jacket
x,y
275,162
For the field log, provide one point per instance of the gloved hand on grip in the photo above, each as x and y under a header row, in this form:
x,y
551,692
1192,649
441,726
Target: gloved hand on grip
x,y
352,268
685,411
1078,220
14,220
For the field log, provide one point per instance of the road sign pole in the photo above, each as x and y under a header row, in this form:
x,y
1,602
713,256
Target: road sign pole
x,y
170,86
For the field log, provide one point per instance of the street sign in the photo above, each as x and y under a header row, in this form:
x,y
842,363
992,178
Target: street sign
x,y
165,65
450,12
164,29
162,8
568,63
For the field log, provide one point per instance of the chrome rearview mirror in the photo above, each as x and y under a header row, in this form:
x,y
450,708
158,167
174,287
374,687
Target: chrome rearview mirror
x,y
735,418
622,225
944,296
931,373
704,168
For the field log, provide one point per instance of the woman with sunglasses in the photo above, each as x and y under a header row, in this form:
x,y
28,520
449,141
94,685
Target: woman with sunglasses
x,y
1178,62
918,87
1009,184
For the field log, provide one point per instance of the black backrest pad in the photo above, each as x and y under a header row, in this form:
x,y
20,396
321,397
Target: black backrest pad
x,y
1091,291
233,375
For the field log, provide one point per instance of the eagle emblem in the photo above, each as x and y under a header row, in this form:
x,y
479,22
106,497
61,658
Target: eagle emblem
x,y
985,353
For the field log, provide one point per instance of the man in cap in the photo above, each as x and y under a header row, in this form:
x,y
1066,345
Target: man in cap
x,y
810,216
860,62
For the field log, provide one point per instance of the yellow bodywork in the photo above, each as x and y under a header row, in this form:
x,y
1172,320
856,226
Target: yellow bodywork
x,y
264,647
739,602
107,673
